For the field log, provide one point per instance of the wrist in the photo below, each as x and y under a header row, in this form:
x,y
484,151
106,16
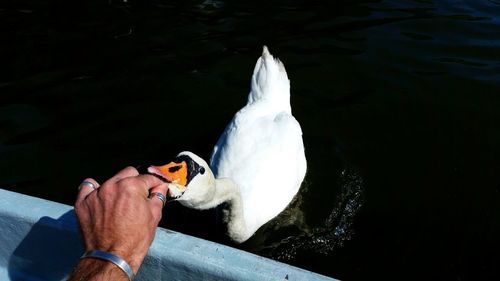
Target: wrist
x,y
133,258
113,259
97,270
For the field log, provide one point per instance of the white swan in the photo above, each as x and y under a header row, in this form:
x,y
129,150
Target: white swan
x,y
259,160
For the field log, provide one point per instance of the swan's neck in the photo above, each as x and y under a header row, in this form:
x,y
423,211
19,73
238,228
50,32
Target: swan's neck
x,y
228,191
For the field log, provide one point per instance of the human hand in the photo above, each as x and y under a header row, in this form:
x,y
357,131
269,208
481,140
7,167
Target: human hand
x,y
118,217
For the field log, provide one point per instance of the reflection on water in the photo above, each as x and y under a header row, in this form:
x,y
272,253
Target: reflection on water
x,y
404,91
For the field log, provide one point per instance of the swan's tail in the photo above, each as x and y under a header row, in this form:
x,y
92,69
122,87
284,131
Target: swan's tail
x,y
269,80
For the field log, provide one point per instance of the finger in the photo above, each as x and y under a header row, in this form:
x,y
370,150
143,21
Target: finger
x,y
148,182
125,173
157,204
85,188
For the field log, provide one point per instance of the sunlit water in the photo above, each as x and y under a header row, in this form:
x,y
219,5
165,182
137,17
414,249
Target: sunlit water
x,y
398,100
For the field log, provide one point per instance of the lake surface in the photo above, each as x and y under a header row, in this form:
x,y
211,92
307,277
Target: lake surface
x,y
398,101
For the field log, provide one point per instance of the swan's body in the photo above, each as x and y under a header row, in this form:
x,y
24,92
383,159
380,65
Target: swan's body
x,y
261,149
259,160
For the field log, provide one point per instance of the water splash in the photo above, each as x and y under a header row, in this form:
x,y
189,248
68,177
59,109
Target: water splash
x,y
335,231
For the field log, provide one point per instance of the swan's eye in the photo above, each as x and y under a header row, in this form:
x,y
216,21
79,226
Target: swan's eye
x,y
202,170
174,169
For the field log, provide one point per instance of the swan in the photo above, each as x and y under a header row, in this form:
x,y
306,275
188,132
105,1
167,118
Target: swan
x,y
258,163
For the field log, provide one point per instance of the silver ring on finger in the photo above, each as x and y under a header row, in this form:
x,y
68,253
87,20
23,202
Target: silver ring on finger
x,y
87,183
160,196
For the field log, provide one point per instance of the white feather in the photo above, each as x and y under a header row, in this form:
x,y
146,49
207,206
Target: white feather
x,y
261,149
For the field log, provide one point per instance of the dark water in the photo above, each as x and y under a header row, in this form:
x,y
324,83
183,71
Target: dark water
x,y
398,101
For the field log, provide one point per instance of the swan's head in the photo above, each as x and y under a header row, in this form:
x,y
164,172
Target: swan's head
x,y
191,182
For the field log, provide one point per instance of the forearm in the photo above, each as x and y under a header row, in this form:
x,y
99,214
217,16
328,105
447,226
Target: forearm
x,y
90,269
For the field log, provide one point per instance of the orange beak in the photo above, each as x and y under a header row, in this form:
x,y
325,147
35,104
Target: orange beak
x,y
172,172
